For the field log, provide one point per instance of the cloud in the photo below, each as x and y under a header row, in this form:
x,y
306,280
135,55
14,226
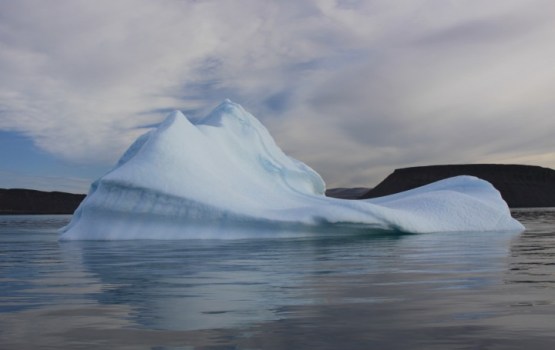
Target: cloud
x,y
78,76
442,94
353,88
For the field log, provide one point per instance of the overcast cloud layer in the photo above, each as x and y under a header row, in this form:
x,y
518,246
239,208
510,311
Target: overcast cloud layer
x,y
352,88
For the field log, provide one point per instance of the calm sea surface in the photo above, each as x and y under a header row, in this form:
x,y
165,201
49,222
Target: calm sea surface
x,y
346,291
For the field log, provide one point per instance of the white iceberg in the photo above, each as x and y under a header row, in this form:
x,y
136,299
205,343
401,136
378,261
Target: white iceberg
x,y
224,177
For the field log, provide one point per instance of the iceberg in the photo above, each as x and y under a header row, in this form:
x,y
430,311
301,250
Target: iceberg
x,y
223,176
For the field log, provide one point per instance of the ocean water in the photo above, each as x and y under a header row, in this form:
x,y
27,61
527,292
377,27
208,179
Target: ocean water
x,y
363,290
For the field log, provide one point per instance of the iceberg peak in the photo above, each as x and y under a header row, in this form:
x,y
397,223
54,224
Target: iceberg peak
x,y
173,118
228,112
224,177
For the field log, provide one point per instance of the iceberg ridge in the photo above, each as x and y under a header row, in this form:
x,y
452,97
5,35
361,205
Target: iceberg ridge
x,y
223,176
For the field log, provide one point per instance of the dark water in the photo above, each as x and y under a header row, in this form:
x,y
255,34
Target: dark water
x,y
348,291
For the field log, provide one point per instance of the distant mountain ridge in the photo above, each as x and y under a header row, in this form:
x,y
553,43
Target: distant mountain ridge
x,y
521,186
24,201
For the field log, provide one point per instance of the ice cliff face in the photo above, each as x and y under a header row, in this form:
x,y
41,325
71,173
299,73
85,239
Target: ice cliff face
x,y
224,177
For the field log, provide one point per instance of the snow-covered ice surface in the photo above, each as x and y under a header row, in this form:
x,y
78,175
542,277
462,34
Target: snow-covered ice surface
x,y
224,177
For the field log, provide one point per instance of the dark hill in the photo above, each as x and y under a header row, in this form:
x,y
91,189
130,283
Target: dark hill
x,y
347,193
20,201
520,185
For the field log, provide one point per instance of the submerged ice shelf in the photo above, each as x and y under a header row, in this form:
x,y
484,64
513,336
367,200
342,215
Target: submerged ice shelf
x,y
224,177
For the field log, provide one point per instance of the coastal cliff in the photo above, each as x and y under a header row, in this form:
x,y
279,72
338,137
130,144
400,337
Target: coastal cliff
x,y
520,186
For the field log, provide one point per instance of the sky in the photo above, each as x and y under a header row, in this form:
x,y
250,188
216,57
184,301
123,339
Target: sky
x,y
352,88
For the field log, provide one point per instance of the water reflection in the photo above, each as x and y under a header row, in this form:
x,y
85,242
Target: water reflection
x,y
369,290
363,289
533,253
186,285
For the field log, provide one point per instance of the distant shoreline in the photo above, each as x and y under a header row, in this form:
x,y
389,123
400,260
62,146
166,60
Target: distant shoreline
x,y
33,202
521,186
